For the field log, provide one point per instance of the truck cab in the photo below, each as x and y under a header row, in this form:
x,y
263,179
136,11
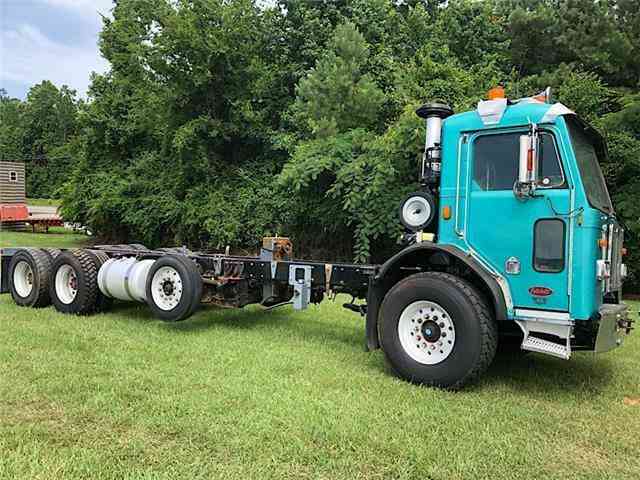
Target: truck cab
x,y
558,252
520,197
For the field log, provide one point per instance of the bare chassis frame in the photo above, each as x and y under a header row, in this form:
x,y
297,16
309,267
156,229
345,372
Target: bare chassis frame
x,y
236,281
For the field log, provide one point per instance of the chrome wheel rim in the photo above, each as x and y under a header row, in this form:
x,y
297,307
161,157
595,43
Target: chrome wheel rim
x,y
166,288
66,284
427,333
23,279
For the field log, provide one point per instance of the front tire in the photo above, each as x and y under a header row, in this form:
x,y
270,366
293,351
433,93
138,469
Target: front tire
x,y
437,330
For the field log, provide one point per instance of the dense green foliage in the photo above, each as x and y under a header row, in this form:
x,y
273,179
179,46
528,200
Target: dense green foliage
x,y
221,121
42,132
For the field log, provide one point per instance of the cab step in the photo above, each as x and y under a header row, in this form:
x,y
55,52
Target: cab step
x,y
535,344
557,333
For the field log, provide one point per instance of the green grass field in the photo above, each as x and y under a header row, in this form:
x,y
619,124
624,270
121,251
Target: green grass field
x,y
43,202
57,237
252,394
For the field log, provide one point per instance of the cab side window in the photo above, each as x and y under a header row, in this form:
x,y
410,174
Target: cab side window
x,y
496,161
548,245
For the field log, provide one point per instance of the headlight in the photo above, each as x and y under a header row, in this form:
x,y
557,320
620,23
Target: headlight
x,y
417,211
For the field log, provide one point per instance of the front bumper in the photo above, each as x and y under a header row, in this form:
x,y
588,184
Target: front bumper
x,y
615,323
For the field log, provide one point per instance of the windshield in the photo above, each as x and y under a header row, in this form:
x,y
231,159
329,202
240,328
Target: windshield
x,y
588,162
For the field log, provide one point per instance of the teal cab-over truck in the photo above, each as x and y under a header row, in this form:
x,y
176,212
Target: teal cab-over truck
x,y
511,243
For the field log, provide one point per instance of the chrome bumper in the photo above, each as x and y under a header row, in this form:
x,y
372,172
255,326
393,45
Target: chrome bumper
x,y
614,325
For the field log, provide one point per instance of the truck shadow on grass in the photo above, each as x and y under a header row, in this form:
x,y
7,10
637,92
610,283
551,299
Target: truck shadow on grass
x,y
538,374
305,326
533,374
272,322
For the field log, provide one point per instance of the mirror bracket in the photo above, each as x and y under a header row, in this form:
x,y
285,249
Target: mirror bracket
x,y
525,185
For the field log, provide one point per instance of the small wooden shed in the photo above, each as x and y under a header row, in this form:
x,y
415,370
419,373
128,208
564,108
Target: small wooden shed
x,y
12,183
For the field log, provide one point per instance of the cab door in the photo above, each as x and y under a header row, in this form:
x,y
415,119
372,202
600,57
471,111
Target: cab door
x,y
526,241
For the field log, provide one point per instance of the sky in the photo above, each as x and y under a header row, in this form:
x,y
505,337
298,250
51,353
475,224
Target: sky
x,y
53,40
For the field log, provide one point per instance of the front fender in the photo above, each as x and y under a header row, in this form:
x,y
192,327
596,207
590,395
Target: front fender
x,y
382,282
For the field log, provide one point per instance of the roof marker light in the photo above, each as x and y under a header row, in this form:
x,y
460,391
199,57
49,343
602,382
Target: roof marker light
x,y
495,93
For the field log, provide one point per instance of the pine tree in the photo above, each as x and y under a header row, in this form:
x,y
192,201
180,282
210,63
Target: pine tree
x,y
336,96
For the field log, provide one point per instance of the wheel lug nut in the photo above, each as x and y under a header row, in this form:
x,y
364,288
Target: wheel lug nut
x,y
418,337
432,347
444,334
441,324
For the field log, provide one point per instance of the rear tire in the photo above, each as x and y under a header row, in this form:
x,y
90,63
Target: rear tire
x,y
29,273
174,288
103,303
74,284
52,253
437,330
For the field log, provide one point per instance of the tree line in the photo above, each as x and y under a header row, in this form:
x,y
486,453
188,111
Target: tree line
x,y
220,121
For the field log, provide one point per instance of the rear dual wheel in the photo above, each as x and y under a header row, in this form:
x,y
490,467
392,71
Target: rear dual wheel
x,y
29,278
174,288
74,282
437,330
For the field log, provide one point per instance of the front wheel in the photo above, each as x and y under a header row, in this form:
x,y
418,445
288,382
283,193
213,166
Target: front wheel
x,y
437,330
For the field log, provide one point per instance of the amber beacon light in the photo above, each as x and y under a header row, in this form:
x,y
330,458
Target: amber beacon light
x,y
496,93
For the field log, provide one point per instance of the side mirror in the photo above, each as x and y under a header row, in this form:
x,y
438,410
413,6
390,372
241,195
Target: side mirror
x,y
527,165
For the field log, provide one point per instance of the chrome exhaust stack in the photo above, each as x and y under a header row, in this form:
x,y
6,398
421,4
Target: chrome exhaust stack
x,y
434,113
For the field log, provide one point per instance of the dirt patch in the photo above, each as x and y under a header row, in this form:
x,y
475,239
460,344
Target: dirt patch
x,y
587,457
34,411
